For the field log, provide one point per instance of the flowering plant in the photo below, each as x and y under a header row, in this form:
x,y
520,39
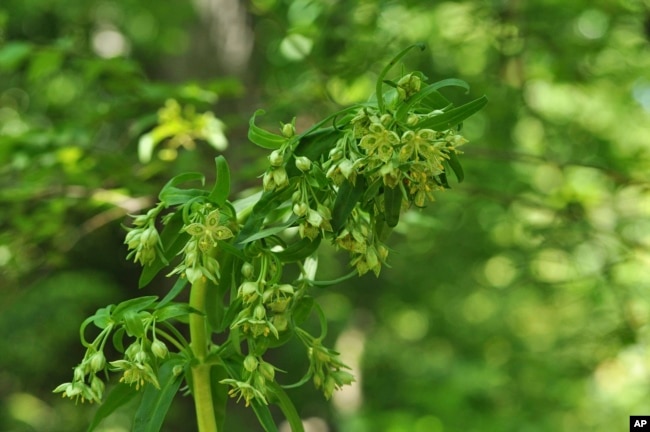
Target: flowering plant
x,y
346,180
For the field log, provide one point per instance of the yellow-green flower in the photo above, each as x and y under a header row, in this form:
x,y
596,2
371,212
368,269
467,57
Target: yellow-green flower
x,y
210,232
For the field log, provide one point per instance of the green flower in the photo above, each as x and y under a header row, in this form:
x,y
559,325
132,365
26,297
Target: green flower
x,y
379,140
244,390
210,232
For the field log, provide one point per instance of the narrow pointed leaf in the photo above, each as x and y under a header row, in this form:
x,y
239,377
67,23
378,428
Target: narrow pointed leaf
x,y
156,402
221,189
454,116
261,137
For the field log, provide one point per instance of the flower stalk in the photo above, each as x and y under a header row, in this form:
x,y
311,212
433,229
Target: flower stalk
x,y
201,385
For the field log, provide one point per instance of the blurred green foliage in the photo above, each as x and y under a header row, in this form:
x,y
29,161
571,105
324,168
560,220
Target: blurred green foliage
x,y
517,302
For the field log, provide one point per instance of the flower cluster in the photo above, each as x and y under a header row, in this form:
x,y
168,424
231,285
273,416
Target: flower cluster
x,y
256,374
143,239
138,366
205,230
86,385
265,306
327,369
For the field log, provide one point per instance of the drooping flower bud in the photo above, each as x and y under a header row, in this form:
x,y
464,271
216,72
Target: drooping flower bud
x,y
159,349
276,158
303,163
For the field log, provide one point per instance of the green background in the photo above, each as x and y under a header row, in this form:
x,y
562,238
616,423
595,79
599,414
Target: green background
x,y
518,301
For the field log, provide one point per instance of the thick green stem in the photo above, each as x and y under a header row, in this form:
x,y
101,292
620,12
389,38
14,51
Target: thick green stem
x,y
201,384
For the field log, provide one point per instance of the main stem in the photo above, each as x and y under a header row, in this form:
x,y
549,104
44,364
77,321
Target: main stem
x,y
201,384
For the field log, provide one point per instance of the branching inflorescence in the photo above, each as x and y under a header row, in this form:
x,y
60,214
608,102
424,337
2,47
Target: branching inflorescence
x,y
346,180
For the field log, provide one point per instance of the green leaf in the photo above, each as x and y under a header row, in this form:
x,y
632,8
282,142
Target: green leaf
x,y
173,310
299,250
346,199
118,339
454,116
302,309
454,163
133,305
270,231
431,89
119,396
313,146
392,205
267,203
219,394
264,416
133,324
156,402
287,407
386,69
180,284
172,195
221,189
261,137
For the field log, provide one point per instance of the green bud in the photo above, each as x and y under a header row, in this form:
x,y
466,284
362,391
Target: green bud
x,y
97,361
247,270
280,322
141,357
328,388
412,119
335,154
276,158
97,386
314,218
267,370
280,177
303,163
250,363
288,130
248,291
177,370
259,313
300,209
159,349
79,373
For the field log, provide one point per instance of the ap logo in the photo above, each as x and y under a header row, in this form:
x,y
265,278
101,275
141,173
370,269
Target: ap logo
x,y
639,423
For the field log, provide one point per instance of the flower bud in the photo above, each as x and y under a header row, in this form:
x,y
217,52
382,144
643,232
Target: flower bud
x,y
259,313
250,363
280,177
159,349
303,163
97,362
141,357
248,291
314,218
300,209
280,322
177,370
247,270
97,386
412,119
288,130
132,238
267,181
276,158
267,371
79,374
335,154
